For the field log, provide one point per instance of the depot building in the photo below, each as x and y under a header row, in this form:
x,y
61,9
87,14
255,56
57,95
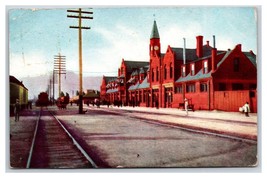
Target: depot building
x,y
209,78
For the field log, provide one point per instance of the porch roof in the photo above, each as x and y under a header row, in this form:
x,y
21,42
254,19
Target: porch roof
x,y
112,90
190,77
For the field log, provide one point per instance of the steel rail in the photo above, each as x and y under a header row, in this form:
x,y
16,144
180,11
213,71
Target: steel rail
x,y
187,129
195,130
76,143
33,141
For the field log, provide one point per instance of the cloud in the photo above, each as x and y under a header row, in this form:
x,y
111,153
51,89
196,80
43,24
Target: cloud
x,y
121,42
29,64
173,35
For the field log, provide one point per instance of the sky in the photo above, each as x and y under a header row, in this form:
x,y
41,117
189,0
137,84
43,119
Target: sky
x,y
12,47
37,35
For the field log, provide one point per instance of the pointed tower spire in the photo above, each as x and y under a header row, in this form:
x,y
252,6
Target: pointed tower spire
x,y
155,32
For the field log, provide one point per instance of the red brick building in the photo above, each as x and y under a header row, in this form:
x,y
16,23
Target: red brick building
x,y
209,78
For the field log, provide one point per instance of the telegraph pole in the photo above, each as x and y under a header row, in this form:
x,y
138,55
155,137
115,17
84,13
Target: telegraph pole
x,y
80,12
59,68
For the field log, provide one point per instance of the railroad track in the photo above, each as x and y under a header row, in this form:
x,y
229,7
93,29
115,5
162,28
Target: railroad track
x,y
182,127
54,147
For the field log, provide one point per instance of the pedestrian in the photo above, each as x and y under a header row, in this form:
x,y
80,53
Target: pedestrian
x,y
17,110
186,106
246,109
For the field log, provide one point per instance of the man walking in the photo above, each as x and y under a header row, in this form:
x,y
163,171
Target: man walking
x,y
17,110
246,109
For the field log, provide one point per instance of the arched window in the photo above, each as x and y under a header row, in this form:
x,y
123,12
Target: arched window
x,y
171,70
165,71
157,75
152,71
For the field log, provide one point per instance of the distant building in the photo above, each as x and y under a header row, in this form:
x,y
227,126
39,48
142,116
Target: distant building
x,y
17,91
88,97
209,78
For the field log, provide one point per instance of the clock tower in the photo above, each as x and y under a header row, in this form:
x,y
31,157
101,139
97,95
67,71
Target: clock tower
x,y
154,47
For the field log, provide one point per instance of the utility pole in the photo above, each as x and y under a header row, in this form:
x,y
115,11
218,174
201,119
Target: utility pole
x,y
80,12
53,88
59,68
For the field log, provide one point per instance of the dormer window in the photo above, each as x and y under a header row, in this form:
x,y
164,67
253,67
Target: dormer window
x,y
192,69
183,71
205,67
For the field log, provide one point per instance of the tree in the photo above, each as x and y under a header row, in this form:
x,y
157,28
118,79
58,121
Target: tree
x,y
67,98
62,94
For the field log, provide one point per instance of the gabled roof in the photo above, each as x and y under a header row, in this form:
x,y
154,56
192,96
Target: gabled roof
x,y
154,32
134,87
144,84
109,78
190,54
13,79
112,90
131,65
224,57
198,76
251,57
141,71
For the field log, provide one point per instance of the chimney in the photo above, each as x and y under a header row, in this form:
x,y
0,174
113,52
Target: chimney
x,y
184,52
213,59
214,43
199,50
239,47
208,43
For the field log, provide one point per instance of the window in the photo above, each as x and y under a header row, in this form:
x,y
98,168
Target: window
x,y
152,75
237,86
183,71
157,76
179,89
190,88
252,86
192,69
144,96
205,69
222,87
203,87
165,71
236,65
170,70
251,94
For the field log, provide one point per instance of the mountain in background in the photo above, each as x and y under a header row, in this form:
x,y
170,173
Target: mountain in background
x,y
69,84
